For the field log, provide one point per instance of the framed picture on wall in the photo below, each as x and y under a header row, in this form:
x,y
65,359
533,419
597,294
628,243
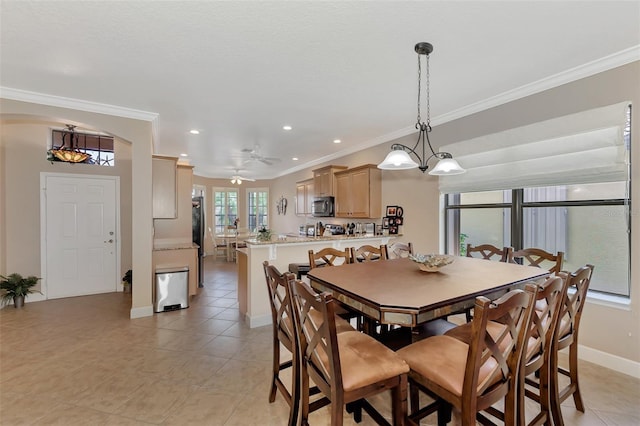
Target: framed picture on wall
x,y
385,223
392,210
399,220
399,211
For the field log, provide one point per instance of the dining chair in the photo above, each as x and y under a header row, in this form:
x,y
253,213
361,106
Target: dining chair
x,y
472,376
284,334
219,248
538,257
347,367
567,336
329,256
399,250
537,351
368,253
489,252
239,240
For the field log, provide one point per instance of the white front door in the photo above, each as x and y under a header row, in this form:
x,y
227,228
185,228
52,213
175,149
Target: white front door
x,y
80,235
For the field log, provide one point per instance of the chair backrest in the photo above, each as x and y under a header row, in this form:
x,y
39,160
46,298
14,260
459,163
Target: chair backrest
x,y
493,360
368,253
317,336
571,310
549,301
398,250
330,256
489,252
280,302
538,257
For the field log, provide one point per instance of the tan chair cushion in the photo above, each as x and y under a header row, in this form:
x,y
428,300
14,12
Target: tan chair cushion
x,y
442,360
365,361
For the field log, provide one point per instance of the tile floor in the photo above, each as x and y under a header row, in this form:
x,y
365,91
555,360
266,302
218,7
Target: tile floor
x,y
82,361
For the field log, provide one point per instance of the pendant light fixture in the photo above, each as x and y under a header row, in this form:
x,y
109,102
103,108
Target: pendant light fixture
x,y
399,158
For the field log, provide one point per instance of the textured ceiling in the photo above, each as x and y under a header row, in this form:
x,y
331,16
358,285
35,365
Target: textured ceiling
x,y
238,71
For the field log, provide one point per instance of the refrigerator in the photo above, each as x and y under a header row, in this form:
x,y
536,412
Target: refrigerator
x,y
197,228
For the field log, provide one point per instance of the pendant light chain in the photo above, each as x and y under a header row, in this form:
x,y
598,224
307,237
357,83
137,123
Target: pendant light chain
x,y
419,123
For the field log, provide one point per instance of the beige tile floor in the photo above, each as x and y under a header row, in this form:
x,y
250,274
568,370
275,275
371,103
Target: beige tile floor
x,y
82,361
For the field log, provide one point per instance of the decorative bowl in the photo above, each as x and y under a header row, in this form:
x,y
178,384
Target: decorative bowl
x,y
431,262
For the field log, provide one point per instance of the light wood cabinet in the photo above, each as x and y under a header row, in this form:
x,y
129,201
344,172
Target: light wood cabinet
x,y
304,197
358,192
324,180
164,187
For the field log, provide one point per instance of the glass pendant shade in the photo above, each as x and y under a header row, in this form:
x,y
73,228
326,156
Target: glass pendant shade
x,y
397,159
447,166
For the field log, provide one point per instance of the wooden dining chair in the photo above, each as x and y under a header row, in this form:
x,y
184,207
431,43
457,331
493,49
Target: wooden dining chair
x,y
399,250
489,252
329,256
537,352
368,253
347,367
567,336
538,257
472,376
219,247
284,334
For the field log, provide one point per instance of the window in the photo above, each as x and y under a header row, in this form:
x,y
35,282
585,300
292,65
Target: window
x,y
100,147
225,208
588,217
258,208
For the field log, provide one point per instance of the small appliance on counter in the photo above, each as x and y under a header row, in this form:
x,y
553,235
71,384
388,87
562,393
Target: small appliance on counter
x,y
334,229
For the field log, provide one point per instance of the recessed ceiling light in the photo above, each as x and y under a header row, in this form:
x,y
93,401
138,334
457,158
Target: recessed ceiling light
x,y
295,158
194,132
184,155
287,127
337,141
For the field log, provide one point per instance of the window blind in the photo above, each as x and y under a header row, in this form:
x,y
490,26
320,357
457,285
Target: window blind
x,y
584,147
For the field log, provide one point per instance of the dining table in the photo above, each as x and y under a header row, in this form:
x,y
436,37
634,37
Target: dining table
x,y
397,292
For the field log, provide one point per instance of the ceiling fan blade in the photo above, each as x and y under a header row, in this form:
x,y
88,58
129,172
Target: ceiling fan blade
x,y
265,161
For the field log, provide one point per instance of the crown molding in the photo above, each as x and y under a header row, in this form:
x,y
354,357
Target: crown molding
x,y
78,104
615,60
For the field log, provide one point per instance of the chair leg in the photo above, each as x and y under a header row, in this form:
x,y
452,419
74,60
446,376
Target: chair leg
x,y
304,395
275,368
295,390
573,374
444,415
414,396
554,389
399,401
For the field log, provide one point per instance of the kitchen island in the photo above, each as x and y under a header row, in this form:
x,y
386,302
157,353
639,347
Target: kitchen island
x,y
253,297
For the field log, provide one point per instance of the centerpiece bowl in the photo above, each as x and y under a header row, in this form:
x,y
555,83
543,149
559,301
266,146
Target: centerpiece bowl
x,y
431,262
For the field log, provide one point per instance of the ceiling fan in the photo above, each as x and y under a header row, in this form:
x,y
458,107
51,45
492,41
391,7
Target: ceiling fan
x,y
237,179
257,156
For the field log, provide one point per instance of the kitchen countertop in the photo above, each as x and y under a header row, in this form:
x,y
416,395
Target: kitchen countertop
x,y
174,246
291,239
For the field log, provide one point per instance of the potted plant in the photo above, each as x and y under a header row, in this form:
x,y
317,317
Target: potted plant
x,y
16,288
127,281
264,234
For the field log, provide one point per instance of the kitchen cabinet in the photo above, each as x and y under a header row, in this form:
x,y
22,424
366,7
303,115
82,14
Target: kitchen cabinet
x,y
304,197
358,192
324,180
164,187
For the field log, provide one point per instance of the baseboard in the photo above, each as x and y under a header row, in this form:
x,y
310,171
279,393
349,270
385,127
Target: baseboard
x,y
258,321
144,311
610,361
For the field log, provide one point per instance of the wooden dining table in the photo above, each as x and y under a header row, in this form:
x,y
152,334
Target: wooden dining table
x,y
397,292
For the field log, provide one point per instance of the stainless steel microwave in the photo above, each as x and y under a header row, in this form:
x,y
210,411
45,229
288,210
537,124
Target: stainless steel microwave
x,y
323,207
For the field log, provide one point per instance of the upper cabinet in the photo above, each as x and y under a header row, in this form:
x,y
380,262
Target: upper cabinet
x,y
304,197
358,192
164,187
324,180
